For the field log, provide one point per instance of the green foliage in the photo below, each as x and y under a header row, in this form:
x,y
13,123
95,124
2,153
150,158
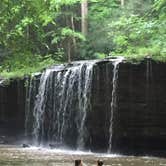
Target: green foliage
x,y
69,33
137,7
160,5
100,13
135,35
31,30
21,64
37,33
34,26
135,30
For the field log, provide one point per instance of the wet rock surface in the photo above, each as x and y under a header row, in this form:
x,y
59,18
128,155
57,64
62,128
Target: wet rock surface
x,y
140,124
12,107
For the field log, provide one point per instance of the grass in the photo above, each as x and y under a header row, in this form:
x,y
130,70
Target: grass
x,y
19,66
22,72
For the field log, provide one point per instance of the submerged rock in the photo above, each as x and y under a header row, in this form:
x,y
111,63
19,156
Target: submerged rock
x,y
25,145
3,140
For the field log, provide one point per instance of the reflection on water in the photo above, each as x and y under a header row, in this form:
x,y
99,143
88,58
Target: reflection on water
x,y
15,156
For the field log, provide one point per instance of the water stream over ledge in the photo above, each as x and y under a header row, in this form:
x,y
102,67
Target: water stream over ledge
x,y
114,98
62,101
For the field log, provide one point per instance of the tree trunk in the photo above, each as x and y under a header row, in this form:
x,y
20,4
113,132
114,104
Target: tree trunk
x,y
73,28
122,3
69,51
84,15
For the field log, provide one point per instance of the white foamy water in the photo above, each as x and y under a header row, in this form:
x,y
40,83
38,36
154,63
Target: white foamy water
x,y
1,82
63,151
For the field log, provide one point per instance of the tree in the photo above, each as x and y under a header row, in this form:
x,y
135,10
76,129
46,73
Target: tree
x,y
37,26
84,17
122,3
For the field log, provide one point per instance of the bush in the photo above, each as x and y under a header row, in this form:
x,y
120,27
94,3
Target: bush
x,y
21,64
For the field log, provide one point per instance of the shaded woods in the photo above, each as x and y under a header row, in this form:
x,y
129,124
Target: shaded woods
x,y
36,34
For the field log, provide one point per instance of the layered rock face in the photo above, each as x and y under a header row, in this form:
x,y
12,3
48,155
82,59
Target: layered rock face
x,y
138,122
12,107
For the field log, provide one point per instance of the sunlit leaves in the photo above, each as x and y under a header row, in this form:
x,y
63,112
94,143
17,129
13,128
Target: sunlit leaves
x,y
137,35
67,32
159,4
37,26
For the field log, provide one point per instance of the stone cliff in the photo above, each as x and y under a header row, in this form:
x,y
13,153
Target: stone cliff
x,y
139,118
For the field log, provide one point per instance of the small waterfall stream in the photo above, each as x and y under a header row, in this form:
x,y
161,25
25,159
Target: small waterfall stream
x,y
40,105
84,96
149,77
28,103
114,99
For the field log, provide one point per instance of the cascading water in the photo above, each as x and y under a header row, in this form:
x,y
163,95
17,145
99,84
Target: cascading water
x,y
61,104
116,63
149,77
40,105
31,92
59,111
1,81
84,96
28,103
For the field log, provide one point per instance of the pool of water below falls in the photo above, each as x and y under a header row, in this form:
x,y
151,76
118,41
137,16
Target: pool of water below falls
x,y
18,156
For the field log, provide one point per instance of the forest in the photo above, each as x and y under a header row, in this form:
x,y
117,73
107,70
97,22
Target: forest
x,y
35,34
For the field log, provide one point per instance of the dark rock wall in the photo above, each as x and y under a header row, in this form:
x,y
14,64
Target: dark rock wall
x,y
139,120
12,106
140,117
98,119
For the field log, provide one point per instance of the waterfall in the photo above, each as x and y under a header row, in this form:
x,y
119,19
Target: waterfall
x,y
84,95
1,82
150,93
28,103
116,63
149,77
40,104
31,85
61,104
57,109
